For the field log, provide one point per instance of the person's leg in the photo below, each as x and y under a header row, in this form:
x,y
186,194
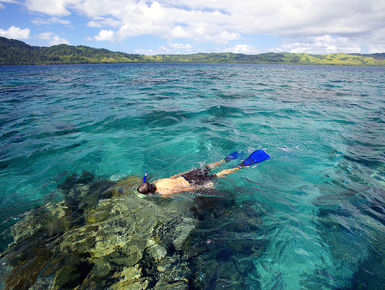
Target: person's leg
x,y
209,166
194,172
225,172
228,158
215,164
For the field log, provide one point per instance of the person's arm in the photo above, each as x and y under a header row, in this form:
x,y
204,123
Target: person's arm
x,y
226,172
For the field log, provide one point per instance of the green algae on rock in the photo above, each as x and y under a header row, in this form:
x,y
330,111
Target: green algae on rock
x,y
101,236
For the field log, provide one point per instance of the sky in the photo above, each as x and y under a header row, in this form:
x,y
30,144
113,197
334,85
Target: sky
x,y
191,26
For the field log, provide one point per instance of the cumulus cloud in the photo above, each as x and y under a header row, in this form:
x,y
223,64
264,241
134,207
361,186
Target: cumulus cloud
x,y
243,48
323,44
51,7
180,32
227,20
145,51
174,48
14,32
180,47
52,38
105,35
103,22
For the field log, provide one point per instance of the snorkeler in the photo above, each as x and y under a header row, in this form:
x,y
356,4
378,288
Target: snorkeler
x,y
198,178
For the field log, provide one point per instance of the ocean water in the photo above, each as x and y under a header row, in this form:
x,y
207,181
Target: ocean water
x,y
319,201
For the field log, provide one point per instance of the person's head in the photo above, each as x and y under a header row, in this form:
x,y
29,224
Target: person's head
x,y
146,188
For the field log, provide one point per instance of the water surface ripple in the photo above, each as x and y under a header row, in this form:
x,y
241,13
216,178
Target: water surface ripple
x,y
319,200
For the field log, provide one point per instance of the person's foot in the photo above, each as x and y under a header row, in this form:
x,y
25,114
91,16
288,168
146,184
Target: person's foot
x,y
232,156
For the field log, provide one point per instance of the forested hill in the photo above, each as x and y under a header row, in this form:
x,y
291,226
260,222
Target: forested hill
x,y
15,52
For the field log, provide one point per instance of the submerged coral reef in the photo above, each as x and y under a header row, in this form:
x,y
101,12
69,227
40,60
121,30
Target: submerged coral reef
x,y
103,235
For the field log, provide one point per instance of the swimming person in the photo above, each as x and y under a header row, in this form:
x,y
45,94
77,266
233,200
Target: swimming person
x,y
198,178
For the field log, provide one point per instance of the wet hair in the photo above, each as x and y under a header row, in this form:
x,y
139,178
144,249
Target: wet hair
x,y
146,188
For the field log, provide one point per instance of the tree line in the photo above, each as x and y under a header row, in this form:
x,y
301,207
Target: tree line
x,y
15,52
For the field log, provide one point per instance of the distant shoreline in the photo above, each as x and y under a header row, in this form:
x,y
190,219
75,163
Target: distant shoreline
x,y
15,52
181,63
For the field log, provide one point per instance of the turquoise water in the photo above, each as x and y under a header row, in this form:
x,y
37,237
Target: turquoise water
x,y
320,198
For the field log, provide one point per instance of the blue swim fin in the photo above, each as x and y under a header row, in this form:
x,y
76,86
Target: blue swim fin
x,y
255,157
232,156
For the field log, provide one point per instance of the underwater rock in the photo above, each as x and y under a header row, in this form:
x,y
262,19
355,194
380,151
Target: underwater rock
x,y
175,232
182,231
35,237
71,275
85,178
173,273
225,235
130,278
157,251
51,218
125,186
212,206
26,272
101,236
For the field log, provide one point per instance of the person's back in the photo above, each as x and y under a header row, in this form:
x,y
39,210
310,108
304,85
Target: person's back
x,y
167,186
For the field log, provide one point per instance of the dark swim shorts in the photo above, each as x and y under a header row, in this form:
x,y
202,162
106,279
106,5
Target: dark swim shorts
x,y
199,176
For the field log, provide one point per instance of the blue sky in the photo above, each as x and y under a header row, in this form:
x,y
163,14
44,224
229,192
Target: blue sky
x,y
189,26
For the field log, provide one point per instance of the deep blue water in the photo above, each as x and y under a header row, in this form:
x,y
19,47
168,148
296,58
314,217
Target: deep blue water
x,y
322,194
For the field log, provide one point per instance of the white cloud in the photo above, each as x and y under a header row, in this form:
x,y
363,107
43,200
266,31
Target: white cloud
x,y
226,20
51,7
105,35
14,32
52,38
102,22
179,32
183,47
145,51
51,20
243,48
94,24
376,48
225,36
7,1
170,48
377,42
323,44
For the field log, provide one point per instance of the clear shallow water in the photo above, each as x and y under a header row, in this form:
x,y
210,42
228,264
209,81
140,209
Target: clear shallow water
x,y
320,198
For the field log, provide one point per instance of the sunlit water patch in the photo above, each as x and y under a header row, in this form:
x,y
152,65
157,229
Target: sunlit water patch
x,y
312,216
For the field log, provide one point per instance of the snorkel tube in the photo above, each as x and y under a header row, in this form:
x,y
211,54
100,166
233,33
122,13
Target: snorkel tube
x,y
146,187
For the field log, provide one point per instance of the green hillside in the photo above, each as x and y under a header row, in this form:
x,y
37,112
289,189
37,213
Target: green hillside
x,y
14,52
